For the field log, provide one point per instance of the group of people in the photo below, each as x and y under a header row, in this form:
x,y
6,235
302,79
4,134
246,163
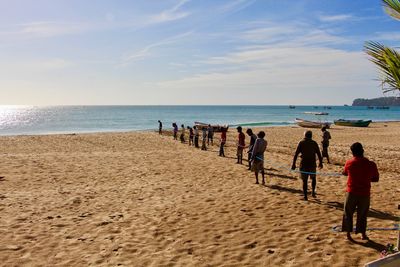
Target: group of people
x,y
359,170
207,134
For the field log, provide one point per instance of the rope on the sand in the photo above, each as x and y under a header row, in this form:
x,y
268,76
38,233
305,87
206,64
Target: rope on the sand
x,y
304,172
338,228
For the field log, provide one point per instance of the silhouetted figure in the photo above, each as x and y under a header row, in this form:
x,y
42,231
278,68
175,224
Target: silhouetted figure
x,y
308,148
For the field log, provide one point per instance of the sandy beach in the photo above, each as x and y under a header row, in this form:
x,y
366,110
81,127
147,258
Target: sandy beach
x,y
140,199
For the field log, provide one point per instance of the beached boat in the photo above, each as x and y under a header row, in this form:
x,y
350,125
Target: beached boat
x,y
216,127
316,113
312,124
353,123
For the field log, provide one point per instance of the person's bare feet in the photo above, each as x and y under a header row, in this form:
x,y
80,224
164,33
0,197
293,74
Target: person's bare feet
x,y
349,236
364,236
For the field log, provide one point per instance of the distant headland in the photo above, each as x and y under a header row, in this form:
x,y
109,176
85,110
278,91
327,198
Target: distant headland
x,y
381,101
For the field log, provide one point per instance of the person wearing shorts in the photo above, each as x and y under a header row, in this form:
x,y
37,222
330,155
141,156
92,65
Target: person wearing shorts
x,y
257,156
308,148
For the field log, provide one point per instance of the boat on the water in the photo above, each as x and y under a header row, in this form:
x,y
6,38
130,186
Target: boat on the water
x,y
312,124
353,123
216,127
316,113
292,107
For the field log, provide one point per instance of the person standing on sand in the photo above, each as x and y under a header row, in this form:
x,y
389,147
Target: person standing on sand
x,y
240,145
253,138
159,127
175,130
257,156
204,139
308,148
190,135
325,143
182,137
210,135
361,172
223,142
196,136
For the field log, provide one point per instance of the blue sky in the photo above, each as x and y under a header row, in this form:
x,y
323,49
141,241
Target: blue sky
x,y
190,51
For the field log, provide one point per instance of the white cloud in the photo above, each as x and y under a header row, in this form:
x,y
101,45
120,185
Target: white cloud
x,y
145,52
335,18
170,14
387,36
294,71
235,6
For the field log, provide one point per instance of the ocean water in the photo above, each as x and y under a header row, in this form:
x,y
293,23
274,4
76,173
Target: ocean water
x,y
18,120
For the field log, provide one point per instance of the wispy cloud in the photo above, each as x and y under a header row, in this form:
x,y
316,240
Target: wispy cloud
x,y
171,14
336,18
146,51
235,6
387,36
43,29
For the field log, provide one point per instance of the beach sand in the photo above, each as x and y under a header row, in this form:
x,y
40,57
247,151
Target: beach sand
x,y
140,199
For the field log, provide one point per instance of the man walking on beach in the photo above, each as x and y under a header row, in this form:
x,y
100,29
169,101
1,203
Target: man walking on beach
x,y
204,135
325,143
240,145
196,136
361,172
257,156
210,135
190,135
223,141
182,137
308,148
159,127
175,130
253,138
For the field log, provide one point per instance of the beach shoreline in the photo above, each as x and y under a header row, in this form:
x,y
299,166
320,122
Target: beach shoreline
x,y
137,199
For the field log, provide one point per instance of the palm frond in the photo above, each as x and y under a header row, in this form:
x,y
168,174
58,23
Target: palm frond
x,y
392,7
388,62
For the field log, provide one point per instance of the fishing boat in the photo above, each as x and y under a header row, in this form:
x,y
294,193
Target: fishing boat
x,y
292,107
316,113
353,123
312,124
216,127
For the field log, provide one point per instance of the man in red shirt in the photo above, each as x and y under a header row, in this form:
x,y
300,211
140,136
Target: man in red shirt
x,y
241,144
361,172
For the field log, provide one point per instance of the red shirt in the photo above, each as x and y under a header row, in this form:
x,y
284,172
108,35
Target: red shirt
x,y
223,136
241,138
361,172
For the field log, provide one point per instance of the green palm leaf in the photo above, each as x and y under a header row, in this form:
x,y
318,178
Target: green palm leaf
x,y
388,62
392,7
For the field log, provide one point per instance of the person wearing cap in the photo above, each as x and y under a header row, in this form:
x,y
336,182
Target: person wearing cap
x,y
308,148
361,172
257,156
240,145
253,138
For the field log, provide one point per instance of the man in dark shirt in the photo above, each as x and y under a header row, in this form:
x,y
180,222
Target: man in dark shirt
x,y
361,172
159,127
308,148
253,138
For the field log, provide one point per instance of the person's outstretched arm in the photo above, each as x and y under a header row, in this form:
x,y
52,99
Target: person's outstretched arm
x,y
296,154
